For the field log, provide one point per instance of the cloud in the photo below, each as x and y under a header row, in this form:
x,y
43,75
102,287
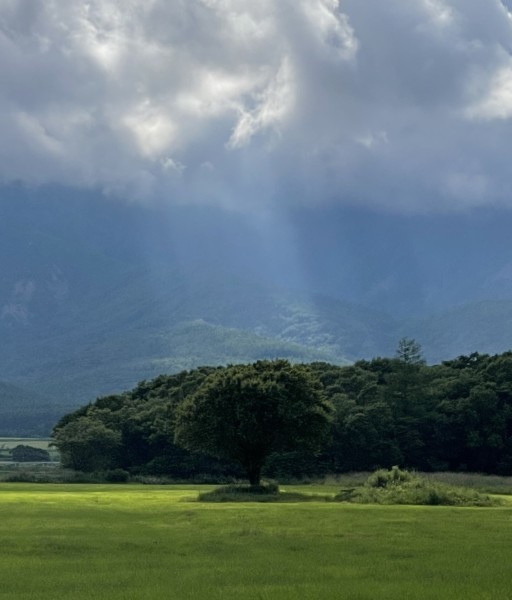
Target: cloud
x,y
495,101
400,105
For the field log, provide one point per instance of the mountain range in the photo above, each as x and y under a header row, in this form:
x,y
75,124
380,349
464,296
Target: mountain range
x,y
97,294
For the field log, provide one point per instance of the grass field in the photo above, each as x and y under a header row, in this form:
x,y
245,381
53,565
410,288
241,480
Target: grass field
x,y
150,543
12,442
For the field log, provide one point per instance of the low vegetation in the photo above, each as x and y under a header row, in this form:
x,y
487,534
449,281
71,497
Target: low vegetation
x,y
393,486
264,492
397,486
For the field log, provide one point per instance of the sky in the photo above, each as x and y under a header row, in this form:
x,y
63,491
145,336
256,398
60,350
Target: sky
x,y
402,106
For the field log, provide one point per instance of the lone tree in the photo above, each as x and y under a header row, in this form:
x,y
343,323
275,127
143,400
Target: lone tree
x,y
409,352
246,412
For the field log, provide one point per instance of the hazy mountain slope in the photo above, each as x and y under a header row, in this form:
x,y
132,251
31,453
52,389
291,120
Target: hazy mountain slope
x,y
96,295
484,327
25,413
152,324
406,264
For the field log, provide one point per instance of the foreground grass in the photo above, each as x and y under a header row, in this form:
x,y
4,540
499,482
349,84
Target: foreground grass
x,y
144,542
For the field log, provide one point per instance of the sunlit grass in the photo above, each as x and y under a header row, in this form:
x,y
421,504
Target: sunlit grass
x,y
149,542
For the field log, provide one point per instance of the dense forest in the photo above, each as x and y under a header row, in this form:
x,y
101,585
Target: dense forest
x,y
456,415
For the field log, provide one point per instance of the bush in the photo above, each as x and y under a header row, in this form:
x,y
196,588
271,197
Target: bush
x,y
50,476
268,492
22,453
401,487
242,493
117,476
385,479
23,477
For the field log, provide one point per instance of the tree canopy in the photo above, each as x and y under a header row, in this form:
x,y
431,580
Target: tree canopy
x,y
453,416
87,444
247,412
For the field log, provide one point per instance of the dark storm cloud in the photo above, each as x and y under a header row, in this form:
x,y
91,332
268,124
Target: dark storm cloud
x,y
406,105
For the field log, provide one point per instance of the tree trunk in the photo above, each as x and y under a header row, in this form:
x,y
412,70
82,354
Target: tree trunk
x,y
254,473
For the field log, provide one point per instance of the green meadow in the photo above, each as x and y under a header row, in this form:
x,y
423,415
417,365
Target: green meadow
x,y
12,442
154,542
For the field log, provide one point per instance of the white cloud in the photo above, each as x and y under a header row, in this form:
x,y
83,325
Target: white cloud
x,y
496,100
273,104
405,105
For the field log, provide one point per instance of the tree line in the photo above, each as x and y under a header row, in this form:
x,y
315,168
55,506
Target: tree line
x,y
375,413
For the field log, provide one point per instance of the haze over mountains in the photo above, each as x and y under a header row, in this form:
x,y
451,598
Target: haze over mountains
x,y
97,294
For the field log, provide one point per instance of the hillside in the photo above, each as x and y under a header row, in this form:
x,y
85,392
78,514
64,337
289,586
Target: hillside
x,y
484,326
146,326
24,412
97,295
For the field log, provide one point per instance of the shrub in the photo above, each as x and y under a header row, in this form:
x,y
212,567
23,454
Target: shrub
x,y
22,477
53,476
267,492
242,493
401,487
24,453
117,476
385,479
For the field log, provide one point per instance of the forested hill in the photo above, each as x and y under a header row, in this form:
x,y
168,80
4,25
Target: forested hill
x,y
455,416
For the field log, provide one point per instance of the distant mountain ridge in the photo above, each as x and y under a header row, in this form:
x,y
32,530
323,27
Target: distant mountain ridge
x,y
97,295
